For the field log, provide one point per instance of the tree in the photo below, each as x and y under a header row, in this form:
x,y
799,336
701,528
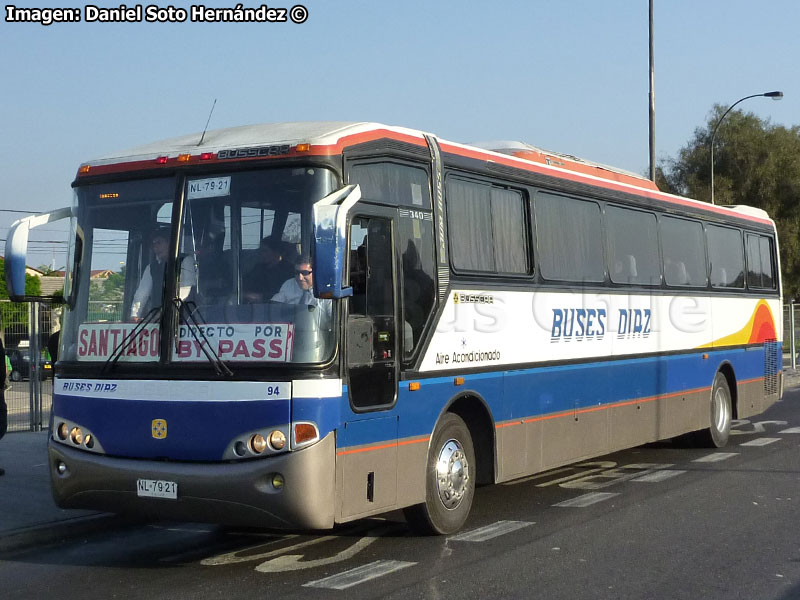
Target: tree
x,y
16,313
755,163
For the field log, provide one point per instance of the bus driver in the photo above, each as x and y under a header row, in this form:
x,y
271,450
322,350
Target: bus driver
x,y
298,289
144,299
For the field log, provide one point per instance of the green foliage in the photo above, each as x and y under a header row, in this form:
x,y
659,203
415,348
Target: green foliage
x,y
111,289
33,286
755,163
16,313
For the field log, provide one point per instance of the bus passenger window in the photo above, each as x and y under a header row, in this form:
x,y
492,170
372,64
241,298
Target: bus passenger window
x,y
419,288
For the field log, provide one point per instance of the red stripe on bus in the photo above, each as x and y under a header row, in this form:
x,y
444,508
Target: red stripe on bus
x,y
591,409
384,446
450,147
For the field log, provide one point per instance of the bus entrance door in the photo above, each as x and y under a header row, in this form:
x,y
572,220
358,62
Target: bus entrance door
x,y
369,464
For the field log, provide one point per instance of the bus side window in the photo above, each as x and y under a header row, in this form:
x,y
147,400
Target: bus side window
x,y
419,288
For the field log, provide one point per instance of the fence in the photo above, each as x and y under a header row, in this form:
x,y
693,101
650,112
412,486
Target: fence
x,y
791,321
26,329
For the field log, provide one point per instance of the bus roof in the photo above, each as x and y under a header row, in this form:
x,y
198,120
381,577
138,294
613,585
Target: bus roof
x,y
332,137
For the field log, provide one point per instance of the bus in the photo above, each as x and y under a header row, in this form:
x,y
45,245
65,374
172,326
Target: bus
x,y
312,323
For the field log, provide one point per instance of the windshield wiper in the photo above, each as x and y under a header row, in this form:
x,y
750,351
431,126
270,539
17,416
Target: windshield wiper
x,y
205,345
112,360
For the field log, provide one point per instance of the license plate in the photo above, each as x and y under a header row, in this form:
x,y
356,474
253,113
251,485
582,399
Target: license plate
x,y
155,488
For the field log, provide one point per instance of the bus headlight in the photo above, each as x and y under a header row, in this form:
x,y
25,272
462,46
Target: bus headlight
x,y
277,440
63,431
76,435
258,443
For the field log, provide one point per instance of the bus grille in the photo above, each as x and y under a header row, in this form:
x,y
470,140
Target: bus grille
x,y
771,357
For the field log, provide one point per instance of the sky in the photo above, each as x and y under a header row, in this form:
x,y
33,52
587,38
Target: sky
x,y
570,76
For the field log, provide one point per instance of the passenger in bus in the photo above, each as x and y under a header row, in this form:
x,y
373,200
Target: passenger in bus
x,y
418,292
272,268
148,293
214,273
299,289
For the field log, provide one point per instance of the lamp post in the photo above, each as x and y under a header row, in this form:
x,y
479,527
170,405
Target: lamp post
x,y
774,95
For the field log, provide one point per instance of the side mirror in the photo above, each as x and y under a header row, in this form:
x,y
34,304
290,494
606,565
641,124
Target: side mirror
x,y
330,242
17,250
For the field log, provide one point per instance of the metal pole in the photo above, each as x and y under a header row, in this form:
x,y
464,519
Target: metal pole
x,y
652,103
36,384
792,336
774,95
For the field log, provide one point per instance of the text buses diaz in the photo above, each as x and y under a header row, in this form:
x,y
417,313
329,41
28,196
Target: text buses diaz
x,y
317,322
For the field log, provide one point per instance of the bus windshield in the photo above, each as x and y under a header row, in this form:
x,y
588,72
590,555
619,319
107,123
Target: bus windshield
x,y
243,288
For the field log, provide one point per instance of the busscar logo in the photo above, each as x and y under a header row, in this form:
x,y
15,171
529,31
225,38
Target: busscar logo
x,y
159,429
462,298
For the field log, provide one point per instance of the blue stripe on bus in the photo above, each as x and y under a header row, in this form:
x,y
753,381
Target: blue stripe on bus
x,y
540,391
202,430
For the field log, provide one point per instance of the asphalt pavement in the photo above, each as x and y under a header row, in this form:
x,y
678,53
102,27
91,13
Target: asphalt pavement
x,y
28,514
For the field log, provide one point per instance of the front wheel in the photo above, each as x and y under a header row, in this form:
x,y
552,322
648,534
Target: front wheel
x,y
16,376
449,480
716,436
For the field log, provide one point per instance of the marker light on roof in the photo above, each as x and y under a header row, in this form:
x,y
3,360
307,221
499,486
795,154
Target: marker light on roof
x,y
184,157
206,156
84,169
162,160
109,195
303,147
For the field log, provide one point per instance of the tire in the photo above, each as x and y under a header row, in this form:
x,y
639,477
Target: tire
x,y
449,480
716,436
16,376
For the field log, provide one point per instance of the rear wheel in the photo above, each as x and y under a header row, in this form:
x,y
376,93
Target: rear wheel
x,y
716,436
449,480
16,376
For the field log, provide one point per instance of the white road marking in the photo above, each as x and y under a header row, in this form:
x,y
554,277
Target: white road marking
x,y
761,442
657,476
758,426
293,562
490,531
611,477
716,457
348,579
586,500
791,430
570,469
237,556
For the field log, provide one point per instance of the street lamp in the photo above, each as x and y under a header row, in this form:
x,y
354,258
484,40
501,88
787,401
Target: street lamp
x,y
774,95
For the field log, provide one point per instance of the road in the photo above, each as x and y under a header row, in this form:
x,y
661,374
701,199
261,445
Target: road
x,y
658,521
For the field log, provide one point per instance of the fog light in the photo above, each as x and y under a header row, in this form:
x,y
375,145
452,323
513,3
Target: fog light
x,y
63,431
258,444
76,435
277,481
277,440
61,468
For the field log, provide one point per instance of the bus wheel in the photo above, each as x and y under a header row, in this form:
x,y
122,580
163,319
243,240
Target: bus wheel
x,y
16,376
449,480
717,435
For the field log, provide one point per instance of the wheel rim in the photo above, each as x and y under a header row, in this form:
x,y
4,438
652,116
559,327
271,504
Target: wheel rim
x,y
452,474
721,410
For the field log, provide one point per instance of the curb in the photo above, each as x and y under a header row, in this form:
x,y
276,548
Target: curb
x,y
18,540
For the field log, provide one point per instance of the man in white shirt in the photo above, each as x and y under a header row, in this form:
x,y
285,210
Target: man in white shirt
x,y
299,289
148,293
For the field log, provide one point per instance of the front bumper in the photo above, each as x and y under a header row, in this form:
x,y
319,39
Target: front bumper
x,y
231,493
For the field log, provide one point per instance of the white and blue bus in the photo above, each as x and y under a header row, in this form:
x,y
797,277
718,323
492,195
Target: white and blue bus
x,y
318,322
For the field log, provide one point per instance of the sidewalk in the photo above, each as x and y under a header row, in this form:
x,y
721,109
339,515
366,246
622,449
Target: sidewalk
x,y
28,515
